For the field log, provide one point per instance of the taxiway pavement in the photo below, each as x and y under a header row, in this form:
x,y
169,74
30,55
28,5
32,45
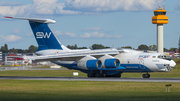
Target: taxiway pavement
x,y
28,68
94,79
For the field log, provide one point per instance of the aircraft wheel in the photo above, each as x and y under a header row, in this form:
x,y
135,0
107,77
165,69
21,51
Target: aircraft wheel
x,y
108,76
146,75
114,76
90,75
99,75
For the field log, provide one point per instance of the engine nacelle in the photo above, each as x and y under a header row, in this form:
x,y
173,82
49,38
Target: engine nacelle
x,y
89,63
109,62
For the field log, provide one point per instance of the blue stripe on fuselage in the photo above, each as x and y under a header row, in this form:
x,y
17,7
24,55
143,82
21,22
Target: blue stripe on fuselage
x,y
135,68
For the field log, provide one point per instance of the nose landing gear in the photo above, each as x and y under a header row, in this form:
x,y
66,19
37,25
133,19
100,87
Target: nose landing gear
x,y
146,75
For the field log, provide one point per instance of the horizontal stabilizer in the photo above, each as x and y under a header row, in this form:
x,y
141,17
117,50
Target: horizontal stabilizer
x,y
34,19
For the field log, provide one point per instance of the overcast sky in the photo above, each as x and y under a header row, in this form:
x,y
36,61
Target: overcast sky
x,y
115,23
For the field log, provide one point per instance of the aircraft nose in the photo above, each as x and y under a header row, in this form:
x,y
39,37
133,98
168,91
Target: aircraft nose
x,y
172,63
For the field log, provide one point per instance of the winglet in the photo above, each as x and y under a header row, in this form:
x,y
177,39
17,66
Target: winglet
x,y
34,19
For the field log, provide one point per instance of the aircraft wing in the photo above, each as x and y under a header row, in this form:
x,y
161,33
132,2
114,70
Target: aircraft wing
x,y
74,56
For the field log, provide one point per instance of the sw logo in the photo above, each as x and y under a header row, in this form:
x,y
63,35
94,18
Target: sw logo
x,y
42,35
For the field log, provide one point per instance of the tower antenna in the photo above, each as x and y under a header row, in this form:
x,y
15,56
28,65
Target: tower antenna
x,y
163,4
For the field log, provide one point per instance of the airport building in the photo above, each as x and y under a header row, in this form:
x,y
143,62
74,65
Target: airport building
x,y
16,58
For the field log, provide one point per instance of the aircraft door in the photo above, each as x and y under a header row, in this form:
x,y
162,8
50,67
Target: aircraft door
x,y
141,64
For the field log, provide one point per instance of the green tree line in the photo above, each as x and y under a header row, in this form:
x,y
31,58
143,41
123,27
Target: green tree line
x,y
154,48
94,46
33,48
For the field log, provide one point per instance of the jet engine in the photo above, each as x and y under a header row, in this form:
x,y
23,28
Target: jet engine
x,y
89,63
109,62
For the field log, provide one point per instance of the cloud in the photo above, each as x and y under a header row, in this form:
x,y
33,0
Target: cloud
x,y
30,34
60,10
98,35
39,7
64,35
16,31
178,6
57,32
49,7
72,35
111,5
5,3
15,10
74,7
92,29
9,38
85,35
44,6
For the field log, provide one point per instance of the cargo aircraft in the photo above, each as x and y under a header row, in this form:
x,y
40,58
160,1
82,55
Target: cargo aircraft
x,y
96,63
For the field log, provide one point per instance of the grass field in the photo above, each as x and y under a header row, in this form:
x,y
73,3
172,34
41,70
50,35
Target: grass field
x,y
40,90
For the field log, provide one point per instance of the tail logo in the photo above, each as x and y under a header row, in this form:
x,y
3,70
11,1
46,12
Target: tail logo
x,y
41,35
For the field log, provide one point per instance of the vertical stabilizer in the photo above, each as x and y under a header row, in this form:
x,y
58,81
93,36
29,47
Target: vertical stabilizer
x,y
44,36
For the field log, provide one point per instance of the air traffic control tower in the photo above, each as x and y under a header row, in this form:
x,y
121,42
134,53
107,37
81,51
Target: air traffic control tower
x,y
160,18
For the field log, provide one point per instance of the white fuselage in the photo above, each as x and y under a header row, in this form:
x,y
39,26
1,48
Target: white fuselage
x,y
146,61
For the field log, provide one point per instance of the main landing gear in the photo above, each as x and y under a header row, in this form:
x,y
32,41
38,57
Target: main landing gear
x,y
146,75
94,75
103,75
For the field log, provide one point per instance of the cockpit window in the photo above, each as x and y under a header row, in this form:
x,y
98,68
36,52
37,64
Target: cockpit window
x,y
164,57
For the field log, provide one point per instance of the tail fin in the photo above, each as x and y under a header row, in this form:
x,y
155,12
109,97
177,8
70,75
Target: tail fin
x,y
43,35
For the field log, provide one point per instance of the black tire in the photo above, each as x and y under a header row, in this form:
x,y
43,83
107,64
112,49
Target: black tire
x,y
114,76
108,76
99,75
146,75
90,75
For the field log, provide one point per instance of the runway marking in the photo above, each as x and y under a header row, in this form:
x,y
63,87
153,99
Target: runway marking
x,y
93,79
